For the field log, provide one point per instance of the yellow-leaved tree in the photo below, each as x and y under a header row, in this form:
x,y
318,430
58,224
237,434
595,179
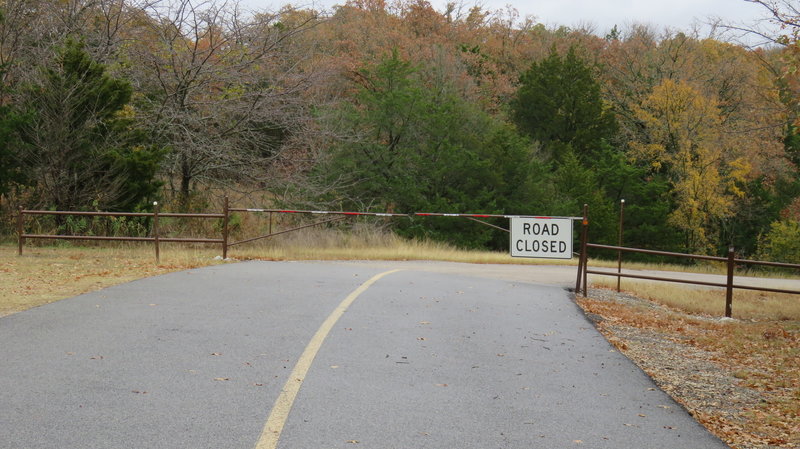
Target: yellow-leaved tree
x,y
685,139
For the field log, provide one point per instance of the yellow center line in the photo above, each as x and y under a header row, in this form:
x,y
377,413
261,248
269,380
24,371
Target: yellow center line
x,y
283,405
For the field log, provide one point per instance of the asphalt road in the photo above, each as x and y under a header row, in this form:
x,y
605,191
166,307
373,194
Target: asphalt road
x,y
433,356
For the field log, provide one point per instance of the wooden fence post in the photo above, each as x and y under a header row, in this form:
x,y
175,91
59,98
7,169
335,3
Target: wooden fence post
x,y
580,259
585,252
583,258
619,243
155,230
20,230
729,287
225,212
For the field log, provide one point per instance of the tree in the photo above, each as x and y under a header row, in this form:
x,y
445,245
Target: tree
x,y
82,148
648,204
559,103
416,146
31,28
10,122
738,112
704,167
223,90
781,243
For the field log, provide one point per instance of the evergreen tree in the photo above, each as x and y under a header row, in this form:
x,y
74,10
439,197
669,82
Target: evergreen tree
x,y
418,147
82,146
559,103
10,122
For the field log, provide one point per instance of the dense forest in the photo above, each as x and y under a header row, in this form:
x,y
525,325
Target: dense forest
x,y
392,105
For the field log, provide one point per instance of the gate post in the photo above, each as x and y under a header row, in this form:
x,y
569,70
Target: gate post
x,y
155,230
585,251
729,287
20,231
582,257
619,243
226,212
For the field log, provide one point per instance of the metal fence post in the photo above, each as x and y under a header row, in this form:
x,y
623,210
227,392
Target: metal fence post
x,y
155,230
225,212
20,230
584,247
585,256
580,255
619,252
729,287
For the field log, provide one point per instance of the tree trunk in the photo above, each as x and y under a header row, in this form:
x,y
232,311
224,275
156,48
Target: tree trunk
x,y
186,180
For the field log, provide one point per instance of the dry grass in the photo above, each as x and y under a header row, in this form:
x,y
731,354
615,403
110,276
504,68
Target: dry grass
x,y
747,304
365,243
46,274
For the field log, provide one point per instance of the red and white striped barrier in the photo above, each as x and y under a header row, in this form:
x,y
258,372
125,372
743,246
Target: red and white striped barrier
x,y
386,214
322,212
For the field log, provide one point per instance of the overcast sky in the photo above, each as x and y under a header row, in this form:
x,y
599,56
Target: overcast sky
x,y
603,14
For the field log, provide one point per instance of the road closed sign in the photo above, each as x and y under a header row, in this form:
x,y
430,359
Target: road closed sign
x,y
546,238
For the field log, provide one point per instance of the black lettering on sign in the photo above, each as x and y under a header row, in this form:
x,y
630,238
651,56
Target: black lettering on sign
x,y
540,229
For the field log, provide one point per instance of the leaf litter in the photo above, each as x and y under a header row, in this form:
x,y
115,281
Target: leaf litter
x,y
740,379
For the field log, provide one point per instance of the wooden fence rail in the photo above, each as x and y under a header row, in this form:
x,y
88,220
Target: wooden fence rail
x,y
155,237
731,261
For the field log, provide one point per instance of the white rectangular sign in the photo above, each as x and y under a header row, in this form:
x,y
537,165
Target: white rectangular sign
x,y
547,238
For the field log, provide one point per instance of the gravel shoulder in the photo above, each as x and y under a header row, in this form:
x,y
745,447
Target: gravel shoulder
x,y
713,389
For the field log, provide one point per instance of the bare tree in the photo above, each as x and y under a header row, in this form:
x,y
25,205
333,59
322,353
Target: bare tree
x,y
778,25
30,29
221,87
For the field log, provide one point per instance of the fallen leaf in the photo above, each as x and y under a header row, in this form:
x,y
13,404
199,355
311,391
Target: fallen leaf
x,y
222,378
